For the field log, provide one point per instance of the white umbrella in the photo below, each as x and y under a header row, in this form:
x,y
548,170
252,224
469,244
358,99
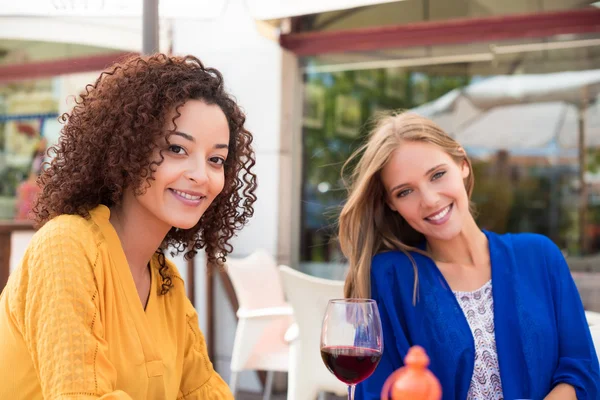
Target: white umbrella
x,y
517,89
150,10
544,114
193,9
542,129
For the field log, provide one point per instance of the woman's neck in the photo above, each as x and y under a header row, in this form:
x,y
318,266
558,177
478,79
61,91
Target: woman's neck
x,y
140,233
469,247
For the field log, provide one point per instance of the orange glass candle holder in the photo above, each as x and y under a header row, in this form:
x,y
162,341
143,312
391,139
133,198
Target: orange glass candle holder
x,y
414,381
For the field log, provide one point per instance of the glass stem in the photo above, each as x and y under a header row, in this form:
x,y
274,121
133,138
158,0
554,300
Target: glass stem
x,y
351,392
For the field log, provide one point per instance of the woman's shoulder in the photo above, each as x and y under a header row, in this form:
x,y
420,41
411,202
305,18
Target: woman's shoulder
x,y
389,266
529,255
389,257
57,256
527,242
67,230
395,259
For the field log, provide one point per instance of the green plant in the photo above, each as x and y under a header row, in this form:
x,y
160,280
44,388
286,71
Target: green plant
x,y
10,178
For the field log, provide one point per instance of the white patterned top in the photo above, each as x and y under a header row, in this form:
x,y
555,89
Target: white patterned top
x,y
478,307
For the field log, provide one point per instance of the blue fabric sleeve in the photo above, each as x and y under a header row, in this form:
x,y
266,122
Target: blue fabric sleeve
x,y
381,291
578,362
370,389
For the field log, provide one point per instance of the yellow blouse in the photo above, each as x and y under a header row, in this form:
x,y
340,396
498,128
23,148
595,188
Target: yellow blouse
x,y
72,325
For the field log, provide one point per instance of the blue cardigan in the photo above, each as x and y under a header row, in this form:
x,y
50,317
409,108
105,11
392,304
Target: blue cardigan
x,y
542,336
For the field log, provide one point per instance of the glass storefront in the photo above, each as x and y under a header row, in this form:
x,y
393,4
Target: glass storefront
x,y
29,110
525,154
28,113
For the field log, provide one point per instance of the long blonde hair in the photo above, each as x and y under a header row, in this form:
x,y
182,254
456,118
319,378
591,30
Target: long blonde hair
x,y
367,225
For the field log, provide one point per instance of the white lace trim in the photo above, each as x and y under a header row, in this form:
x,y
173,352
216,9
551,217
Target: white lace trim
x,y
478,307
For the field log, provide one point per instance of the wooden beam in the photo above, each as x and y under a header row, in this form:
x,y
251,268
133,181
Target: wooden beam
x,y
44,69
229,290
210,311
233,301
191,279
4,258
212,273
456,31
6,230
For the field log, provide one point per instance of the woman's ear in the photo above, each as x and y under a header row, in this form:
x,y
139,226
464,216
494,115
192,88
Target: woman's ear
x,y
465,170
464,165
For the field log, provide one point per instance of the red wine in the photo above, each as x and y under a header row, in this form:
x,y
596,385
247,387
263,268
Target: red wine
x,y
349,364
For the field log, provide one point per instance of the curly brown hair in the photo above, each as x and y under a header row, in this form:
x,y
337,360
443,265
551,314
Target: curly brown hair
x,y
109,137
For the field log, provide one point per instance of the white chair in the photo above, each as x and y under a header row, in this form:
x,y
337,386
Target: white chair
x,y
263,318
309,296
19,241
593,319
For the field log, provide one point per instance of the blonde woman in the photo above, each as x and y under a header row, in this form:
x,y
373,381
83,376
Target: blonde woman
x,y
499,315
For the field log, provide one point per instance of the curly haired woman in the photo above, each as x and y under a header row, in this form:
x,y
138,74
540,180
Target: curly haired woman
x,y
153,156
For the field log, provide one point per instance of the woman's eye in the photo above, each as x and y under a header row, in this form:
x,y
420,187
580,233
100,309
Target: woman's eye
x,y
176,149
403,193
438,175
218,160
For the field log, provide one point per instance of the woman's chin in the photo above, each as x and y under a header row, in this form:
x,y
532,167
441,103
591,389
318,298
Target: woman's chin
x,y
445,233
184,224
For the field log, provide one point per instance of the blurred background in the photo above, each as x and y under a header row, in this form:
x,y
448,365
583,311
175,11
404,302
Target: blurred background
x,y
517,82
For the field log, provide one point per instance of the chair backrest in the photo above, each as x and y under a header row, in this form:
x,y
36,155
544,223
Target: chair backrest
x,y
593,319
308,296
256,281
19,240
595,331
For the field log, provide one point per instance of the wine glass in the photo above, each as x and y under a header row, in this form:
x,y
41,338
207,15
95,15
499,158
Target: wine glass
x,y
351,340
